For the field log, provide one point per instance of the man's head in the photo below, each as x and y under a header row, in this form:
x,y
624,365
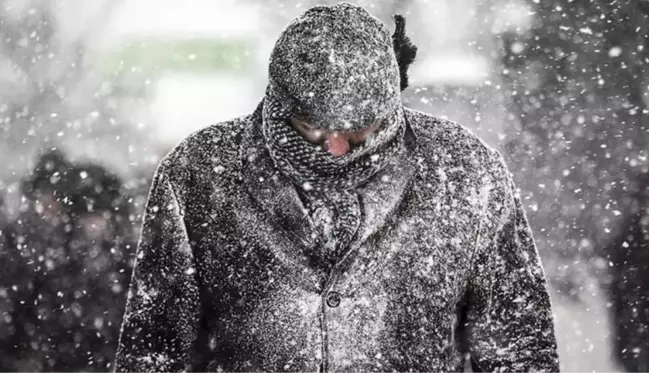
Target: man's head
x,y
46,187
332,115
98,206
336,68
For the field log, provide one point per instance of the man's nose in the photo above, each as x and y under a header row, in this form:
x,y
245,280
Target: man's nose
x,y
337,144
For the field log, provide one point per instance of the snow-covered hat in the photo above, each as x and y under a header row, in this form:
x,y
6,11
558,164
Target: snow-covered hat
x,y
338,66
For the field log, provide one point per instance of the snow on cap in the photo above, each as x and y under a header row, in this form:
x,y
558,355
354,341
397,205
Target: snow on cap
x,y
338,67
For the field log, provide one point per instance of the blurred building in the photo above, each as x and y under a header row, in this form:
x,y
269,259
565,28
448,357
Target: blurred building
x,y
207,60
198,56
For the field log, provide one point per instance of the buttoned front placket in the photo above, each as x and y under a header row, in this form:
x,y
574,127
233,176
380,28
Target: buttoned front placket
x,y
332,299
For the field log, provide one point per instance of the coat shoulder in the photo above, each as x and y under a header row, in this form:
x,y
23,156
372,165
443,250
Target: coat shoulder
x,y
444,145
209,156
453,161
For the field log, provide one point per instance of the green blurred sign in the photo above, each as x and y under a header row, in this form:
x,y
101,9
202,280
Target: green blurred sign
x,y
157,55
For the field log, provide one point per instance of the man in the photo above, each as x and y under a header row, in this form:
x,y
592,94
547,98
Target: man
x,y
333,229
98,249
65,266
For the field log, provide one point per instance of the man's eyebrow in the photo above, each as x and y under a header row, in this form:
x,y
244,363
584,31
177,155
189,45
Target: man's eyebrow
x,y
304,121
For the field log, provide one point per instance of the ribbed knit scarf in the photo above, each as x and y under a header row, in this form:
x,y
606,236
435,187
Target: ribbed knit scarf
x,y
329,183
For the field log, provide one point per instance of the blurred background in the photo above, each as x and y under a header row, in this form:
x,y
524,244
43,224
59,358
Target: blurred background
x,y
94,92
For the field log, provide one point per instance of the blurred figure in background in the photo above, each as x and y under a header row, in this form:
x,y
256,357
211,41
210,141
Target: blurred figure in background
x,y
629,290
98,245
73,239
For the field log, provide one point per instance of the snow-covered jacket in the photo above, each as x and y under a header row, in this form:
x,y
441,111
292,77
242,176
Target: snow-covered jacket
x,y
443,265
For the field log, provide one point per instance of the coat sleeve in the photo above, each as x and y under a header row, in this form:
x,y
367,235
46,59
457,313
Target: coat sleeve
x,y
509,318
161,318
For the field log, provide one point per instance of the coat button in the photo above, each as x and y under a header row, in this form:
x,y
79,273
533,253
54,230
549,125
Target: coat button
x,y
333,299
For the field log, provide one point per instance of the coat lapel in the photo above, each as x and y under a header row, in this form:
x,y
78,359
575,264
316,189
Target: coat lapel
x,y
380,199
273,209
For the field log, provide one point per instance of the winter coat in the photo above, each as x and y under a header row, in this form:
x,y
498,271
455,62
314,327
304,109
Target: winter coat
x,y
443,264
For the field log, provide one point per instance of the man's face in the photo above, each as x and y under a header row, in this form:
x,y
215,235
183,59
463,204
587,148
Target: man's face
x,y
337,143
95,226
47,205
